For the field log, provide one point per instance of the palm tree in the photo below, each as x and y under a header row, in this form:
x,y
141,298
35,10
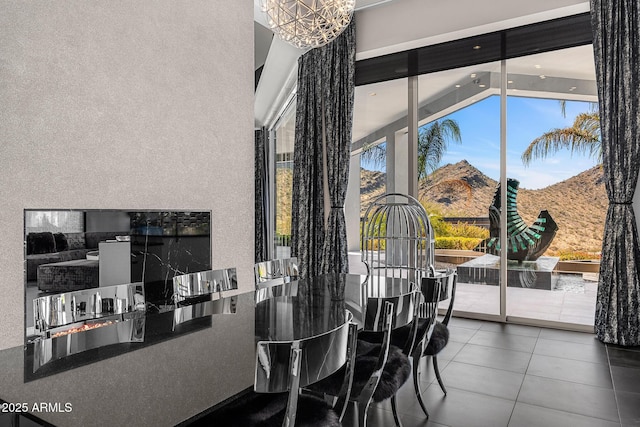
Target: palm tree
x,y
432,145
583,136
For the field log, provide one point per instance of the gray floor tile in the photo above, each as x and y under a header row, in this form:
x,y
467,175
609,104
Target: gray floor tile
x,y
405,397
480,379
461,322
569,397
567,381
410,421
570,350
577,371
384,418
629,405
498,358
525,415
465,409
504,328
506,341
449,351
626,379
427,373
570,336
624,357
460,334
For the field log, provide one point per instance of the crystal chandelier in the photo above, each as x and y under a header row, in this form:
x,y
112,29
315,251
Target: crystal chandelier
x,y
308,23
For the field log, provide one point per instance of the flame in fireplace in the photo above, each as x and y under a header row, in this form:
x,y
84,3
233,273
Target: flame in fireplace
x,y
83,328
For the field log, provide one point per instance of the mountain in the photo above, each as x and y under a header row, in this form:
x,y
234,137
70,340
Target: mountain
x,y
578,204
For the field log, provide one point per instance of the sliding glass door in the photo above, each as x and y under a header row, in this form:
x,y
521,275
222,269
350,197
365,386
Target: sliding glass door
x,y
508,165
458,172
553,149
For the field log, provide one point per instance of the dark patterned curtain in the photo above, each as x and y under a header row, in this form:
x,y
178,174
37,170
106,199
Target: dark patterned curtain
x,y
616,32
324,110
338,78
261,196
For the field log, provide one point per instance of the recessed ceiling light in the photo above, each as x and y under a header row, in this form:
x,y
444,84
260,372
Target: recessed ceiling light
x,y
537,66
473,75
482,85
476,47
542,76
572,88
372,94
510,81
457,85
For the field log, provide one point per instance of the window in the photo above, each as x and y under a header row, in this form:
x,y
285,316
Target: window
x,y
284,138
481,102
53,221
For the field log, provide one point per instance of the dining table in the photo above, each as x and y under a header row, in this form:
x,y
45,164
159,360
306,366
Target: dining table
x,y
180,372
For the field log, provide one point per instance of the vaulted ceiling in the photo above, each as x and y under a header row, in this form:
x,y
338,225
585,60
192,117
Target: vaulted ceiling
x,y
386,26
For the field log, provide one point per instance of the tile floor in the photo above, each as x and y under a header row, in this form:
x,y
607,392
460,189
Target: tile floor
x,y
512,375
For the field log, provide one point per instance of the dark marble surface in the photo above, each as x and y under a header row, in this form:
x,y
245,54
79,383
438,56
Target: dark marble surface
x,y
179,371
308,307
157,259
172,376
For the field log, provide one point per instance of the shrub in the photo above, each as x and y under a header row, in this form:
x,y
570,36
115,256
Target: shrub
x,y
568,255
457,242
462,235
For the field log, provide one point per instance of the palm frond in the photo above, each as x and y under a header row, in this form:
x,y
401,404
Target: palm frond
x,y
374,153
573,139
433,142
589,122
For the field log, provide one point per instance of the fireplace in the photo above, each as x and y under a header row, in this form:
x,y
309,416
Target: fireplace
x,y
74,322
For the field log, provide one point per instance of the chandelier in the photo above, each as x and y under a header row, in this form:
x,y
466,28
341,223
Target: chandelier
x,y
308,23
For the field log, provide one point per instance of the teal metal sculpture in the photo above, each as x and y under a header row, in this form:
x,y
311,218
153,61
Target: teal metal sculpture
x,y
524,243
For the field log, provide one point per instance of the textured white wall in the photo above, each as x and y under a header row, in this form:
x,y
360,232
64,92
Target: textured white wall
x,y
125,105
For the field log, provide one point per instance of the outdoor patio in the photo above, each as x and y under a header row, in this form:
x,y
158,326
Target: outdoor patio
x,y
572,301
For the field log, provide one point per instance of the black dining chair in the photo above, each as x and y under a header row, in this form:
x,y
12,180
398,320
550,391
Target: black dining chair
x,y
414,337
446,281
283,370
380,368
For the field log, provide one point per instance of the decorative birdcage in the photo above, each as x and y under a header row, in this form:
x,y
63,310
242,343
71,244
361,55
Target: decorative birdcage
x,y
397,239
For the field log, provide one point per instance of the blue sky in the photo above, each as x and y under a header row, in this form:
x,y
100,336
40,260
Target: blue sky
x,y
527,118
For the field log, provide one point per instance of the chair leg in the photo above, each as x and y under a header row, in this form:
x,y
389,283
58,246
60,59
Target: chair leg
x,y
362,414
437,371
394,409
416,384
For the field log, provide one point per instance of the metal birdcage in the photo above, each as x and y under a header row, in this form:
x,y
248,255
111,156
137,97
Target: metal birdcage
x,y
397,239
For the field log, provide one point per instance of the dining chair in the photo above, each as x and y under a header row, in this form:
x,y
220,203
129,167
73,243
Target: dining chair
x,y
285,269
271,275
413,337
446,281
380,369
285,368
203,285
398,243
430,335
200,294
